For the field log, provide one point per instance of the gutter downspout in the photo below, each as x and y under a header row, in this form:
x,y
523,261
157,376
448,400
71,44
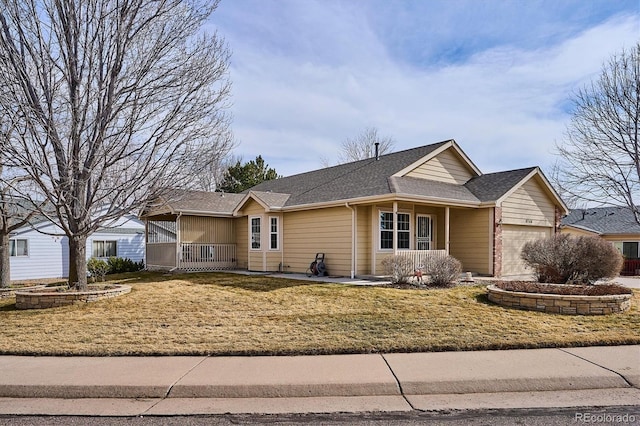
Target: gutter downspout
x,y
353,240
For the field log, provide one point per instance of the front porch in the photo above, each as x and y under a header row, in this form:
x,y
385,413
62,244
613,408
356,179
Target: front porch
x,y
421,258
178,243
190,257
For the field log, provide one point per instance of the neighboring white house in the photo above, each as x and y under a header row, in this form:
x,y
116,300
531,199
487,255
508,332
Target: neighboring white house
x,y
37,253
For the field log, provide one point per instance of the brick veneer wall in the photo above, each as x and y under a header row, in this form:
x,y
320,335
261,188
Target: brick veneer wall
x,y
560,304
53,299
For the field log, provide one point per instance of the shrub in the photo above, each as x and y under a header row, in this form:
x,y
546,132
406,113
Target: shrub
x,y
399,267
444,271
564,259
118,265
98,268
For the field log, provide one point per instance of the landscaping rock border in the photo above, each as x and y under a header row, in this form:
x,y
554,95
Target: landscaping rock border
x,y
560,304
6,293
38,299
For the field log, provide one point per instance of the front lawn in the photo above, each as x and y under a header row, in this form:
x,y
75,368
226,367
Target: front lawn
x,y
229,314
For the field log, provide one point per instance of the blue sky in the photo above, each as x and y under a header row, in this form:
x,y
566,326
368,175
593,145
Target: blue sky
x,y
495,76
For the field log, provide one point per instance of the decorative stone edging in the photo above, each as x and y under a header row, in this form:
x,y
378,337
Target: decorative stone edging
x,y
560,304
37,299
6,293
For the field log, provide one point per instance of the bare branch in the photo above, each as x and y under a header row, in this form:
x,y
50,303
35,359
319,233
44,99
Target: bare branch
x,y
363,145
600,154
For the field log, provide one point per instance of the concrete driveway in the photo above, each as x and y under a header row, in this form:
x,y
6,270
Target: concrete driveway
x,y
631,282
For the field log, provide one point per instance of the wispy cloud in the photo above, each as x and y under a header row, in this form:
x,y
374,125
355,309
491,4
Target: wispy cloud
x,y
307,74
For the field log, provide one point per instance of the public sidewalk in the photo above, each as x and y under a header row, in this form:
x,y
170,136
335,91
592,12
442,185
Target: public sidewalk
x,y
132,386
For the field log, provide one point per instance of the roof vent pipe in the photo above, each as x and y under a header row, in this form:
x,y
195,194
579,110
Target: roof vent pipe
x,y
377,144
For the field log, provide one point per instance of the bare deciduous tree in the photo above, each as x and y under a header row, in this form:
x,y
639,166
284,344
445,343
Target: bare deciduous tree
x,y
110,100
363,145
600,155
17,207
210,164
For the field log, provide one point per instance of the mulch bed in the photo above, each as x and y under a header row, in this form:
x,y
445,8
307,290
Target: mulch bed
x,y
563,289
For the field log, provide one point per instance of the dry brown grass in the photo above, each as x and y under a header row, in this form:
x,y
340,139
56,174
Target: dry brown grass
x,y
233,314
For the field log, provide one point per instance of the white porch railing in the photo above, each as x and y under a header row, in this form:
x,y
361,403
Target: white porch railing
x,y
421,258
207,257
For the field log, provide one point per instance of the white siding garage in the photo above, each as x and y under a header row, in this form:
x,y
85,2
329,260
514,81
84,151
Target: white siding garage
x,y
514,238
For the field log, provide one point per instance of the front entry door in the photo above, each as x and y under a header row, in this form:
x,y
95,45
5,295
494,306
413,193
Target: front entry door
x,y
423,234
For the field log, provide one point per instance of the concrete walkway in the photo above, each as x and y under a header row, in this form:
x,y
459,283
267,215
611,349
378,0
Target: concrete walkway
x,y
131,386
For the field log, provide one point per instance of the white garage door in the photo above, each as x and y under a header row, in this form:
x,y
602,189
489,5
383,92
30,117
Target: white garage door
x,y
513,239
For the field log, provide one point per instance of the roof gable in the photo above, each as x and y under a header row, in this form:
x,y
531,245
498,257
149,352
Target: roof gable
x,y
448,163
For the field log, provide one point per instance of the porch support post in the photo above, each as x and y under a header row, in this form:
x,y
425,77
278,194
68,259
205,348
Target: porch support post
x,y
446,230
395,228
178,240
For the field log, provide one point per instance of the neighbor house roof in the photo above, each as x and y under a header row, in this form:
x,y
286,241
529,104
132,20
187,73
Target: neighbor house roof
x,y
603,220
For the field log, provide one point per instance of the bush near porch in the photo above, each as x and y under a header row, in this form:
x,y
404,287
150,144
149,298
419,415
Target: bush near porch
x,y
229,314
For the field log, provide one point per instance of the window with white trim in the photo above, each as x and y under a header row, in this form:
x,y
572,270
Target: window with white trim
x,y
629,249
386,231
104,248
274,233
18,248
255,234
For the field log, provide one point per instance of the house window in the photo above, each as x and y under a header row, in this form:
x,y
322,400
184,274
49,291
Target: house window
x,y
386,231
255,233
104,249
18,248
404,232
273,233
628,249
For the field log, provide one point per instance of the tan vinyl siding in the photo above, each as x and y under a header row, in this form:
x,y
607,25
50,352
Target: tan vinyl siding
x,y
529,205
256,260
206,230
514,238
445,167
318,231
242,241
364,240
576,232
470,239
621,237
252,208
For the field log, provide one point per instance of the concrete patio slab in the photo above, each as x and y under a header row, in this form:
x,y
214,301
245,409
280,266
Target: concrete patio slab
x,y
508,400
91,377
498,371
294,376
624,360
75,407
352,404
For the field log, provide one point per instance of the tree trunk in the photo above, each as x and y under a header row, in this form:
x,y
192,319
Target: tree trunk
x,y
78,262
5,271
